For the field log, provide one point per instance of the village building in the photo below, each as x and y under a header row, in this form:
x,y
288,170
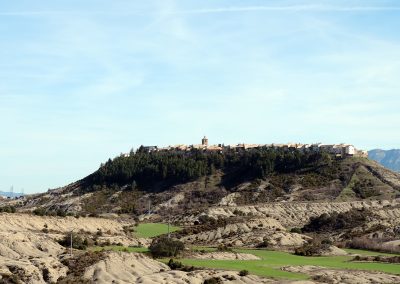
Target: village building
x,y
339,150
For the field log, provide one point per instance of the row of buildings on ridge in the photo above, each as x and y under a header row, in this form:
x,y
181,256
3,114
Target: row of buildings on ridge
x,y
340,150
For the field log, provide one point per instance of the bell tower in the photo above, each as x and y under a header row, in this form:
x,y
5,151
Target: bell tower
x,y
204,141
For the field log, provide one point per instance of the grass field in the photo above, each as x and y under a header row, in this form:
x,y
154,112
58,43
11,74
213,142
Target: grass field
x,y
272,261
151,230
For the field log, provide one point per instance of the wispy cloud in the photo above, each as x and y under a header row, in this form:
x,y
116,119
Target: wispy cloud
x,y
312,8
231,9
84,82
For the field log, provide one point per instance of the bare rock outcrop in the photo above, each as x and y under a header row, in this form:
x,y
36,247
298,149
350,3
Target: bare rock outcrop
x,y
250,234
297,214
127,268
33,258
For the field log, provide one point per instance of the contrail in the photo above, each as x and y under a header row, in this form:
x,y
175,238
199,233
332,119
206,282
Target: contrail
x,y
234,9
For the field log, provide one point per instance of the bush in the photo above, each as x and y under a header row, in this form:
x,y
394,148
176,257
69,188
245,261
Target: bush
x,y
327,242
213,280
312,248
295,230
77,266
8,209
78,242
166,247
61,213
39,211
378,258
174,264
365,189
264,244
224,248
243,272
337,221
239,213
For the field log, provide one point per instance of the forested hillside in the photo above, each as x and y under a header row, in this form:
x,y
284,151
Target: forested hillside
x,y
200,179
142,169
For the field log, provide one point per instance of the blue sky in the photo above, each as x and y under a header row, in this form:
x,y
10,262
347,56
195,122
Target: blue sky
x,y
82,81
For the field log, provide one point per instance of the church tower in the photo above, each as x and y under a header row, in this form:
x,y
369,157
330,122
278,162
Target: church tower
x,y
204,141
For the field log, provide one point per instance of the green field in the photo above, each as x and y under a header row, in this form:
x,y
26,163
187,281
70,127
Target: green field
x,y
272,261
151,230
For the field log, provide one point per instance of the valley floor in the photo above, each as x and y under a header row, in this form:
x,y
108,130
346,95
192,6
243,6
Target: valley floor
x,y
272,262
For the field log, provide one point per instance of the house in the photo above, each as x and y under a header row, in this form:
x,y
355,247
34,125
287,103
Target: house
x,y
149,149
350,150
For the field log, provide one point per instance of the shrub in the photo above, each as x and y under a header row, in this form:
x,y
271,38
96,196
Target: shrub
x,y
264,244
378,258
77,266
205,219
213,280
365,189
78,242
336,221
174,264
39,211
166,247
224,248
239,212
243,272
326,242
311,248
8,209
295,230
61,213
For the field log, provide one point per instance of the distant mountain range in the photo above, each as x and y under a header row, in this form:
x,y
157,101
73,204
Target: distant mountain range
x,y
388,158
10,194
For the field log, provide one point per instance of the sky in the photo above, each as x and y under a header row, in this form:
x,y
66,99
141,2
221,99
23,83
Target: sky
x,y
83,81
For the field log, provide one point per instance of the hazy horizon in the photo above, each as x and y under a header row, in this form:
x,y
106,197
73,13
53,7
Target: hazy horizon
x,y
84,81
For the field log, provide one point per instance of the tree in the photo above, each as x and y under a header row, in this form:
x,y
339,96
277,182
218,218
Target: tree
x,y
166,247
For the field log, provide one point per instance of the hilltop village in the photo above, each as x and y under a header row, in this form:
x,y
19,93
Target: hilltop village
x,y
339,150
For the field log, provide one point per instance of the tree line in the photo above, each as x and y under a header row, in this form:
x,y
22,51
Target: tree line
x,y
143,169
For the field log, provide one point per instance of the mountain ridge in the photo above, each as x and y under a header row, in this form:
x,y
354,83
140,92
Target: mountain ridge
x,y
388,158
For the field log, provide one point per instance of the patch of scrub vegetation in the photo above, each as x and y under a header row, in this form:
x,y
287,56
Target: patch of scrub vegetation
x,y
166,247
8,209
367,252
337,221
375,244
151,230
77,266
365,184
271,261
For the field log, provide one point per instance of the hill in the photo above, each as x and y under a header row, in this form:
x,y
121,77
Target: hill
x,y
307,203
146,181
388,158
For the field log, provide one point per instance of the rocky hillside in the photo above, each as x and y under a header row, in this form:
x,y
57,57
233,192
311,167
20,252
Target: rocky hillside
x,y
279,200
187,182
389,158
